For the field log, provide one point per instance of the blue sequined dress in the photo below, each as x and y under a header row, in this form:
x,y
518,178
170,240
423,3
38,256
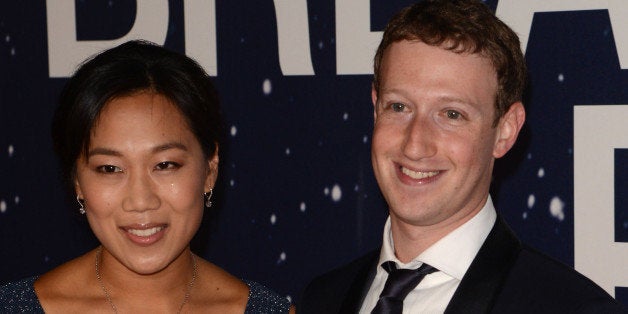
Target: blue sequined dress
x,y
20,297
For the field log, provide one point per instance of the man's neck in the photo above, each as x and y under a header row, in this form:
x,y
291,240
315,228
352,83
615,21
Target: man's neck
x,y
412,240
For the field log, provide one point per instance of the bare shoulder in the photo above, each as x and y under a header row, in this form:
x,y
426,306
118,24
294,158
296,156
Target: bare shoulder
x,y
68,285
221,292
217,289
67,277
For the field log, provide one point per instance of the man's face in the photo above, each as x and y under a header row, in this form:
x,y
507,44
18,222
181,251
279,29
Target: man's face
x,y
433,142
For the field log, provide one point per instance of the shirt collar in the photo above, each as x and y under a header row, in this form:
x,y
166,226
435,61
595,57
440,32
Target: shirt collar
x,y
453,253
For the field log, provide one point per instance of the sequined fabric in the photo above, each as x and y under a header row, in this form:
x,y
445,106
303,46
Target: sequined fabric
x,y
20,297
263,300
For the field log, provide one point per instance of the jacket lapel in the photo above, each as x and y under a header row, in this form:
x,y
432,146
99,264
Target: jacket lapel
x,y
483,280
361,284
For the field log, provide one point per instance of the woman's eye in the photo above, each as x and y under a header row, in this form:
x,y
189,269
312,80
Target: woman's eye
x,y
398,107
166,165
108,169
453,114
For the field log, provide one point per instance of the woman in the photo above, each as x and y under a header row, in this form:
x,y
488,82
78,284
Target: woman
x,y
137,133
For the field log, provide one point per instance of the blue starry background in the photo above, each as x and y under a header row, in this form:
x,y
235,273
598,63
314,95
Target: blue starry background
x,y
296,194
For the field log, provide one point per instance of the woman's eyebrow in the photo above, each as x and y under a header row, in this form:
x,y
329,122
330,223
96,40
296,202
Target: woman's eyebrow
x,y
159,148
170,145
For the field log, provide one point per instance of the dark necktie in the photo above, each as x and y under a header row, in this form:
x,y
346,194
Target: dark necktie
x,y
399,283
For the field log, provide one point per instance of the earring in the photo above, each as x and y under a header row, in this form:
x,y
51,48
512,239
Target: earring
x,y
82,204
208,198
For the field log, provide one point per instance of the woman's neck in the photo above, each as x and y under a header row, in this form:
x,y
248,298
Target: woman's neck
x,y
169,287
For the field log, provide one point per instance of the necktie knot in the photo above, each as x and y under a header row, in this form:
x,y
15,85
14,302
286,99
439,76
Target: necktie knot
x,y
399,283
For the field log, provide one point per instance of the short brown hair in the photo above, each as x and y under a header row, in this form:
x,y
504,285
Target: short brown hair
x,y
462,26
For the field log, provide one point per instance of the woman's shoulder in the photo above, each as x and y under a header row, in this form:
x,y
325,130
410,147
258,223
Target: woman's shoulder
x,y
225,293
70,276
19,297
26,295
265,300
69,285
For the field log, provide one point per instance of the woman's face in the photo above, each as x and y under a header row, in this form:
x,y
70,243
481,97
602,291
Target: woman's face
x,y
143,181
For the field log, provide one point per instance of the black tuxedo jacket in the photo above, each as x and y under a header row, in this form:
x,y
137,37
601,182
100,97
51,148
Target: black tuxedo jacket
x,y
504,277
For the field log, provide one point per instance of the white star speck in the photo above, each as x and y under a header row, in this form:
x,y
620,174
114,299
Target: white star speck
x,y
531,200
557,208
336,193
267,87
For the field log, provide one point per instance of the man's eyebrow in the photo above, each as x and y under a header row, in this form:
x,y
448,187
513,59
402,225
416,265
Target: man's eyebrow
x,y
441,98
457,100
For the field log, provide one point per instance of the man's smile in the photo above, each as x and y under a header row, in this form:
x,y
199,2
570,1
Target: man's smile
x,y
418,174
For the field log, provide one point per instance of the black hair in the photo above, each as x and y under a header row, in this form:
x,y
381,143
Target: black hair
x,y
129,68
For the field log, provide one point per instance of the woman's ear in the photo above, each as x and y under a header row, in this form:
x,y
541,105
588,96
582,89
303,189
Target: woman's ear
x,y
212,171
77,189
508,129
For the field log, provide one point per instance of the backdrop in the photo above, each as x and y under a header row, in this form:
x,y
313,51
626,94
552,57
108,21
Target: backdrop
x,y
296,193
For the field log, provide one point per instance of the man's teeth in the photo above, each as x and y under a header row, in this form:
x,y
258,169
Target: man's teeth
x,y
145,232
418,174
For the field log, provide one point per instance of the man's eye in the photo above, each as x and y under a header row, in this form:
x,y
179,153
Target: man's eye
x,y
167,165
108,169
398,107
453,114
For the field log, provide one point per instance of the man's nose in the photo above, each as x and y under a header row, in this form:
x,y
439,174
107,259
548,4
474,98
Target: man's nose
x,y
420,141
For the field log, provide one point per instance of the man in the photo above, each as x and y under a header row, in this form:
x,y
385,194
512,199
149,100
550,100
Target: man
x,y
447,90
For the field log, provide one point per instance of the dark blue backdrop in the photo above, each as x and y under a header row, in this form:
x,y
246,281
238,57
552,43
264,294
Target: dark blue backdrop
x,y
296,194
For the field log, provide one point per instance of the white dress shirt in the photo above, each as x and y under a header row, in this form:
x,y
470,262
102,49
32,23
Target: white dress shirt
x,y
452,255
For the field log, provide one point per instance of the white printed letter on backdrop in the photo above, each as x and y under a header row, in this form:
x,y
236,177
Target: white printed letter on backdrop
x,y
293,36
65,52
518,15
355,43
598,131
200,33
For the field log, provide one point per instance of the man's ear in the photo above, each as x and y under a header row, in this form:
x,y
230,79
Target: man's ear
x,y
374,100
212,171
508,129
